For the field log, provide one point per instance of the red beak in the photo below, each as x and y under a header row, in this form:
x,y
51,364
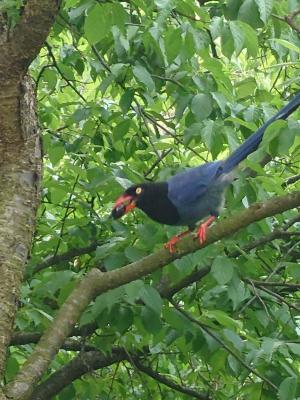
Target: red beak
x,y
123,205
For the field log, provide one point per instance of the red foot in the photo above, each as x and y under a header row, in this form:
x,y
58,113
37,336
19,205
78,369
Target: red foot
x,y
170,245
201,233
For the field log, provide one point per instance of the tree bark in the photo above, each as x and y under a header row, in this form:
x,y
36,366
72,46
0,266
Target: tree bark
x,y
20,173
20,153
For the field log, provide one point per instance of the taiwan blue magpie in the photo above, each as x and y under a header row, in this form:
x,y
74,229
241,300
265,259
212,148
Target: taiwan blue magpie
x,y
196,193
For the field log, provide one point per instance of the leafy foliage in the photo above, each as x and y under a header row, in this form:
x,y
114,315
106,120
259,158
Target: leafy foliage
x,y
134,91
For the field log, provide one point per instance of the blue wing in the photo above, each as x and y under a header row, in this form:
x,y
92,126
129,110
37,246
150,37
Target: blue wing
x,y
198,192
189,186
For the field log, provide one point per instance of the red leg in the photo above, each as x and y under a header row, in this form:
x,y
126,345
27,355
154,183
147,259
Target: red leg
x,y
201,233
170,245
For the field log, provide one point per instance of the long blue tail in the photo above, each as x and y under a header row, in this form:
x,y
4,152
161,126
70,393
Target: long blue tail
x,y
251,144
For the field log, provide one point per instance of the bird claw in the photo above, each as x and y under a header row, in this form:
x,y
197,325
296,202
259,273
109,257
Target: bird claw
x,y
201,232
170,245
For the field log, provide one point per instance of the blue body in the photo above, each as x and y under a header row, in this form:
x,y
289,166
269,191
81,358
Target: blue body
x,y
199,192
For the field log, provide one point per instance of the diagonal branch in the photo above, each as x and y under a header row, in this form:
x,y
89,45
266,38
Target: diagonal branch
x,y
78,366
168,382
67,256
96,283
227,348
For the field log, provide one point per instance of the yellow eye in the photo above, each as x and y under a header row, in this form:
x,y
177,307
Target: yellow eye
x,y
138,190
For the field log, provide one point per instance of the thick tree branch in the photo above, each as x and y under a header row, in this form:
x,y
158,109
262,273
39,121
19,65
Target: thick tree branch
x,y
96,283
166,290
80,365
32,30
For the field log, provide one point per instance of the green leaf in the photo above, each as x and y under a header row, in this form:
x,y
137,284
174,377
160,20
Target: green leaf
x,y
222,269
201,106
223,319
151,320
288,388
121,129
58,194
100,20
114,261
216,68
123,319
246,87
151,298
249,13
251,39
237,35
293,270
56,152
126,100
97,24
143,76
175,319
265,8
294,348
132,291
107,301
50,76
287,44
173,41
133,253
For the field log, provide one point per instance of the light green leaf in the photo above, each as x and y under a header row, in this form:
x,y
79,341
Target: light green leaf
x,y
251,39
287,45
143,76
121,129
222,269
201,106
151,298
173,41
237,35
223,319
265,8
288,388
97,24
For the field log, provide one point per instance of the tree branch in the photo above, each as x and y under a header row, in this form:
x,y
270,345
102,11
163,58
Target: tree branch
x,y
32,30
96,283
80,365
67,256
218,340
162,379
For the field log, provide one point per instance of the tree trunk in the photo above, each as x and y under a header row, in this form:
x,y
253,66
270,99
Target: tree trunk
x,y
20,174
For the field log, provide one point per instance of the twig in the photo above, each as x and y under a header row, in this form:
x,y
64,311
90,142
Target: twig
x,y
67,256
162,379
224,345
66,215
289,19
69,83
291,180
279,298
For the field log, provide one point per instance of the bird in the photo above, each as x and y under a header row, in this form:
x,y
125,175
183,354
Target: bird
x,y
196,193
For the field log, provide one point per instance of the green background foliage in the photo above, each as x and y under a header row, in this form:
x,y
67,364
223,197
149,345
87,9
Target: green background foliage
x,y
138,90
